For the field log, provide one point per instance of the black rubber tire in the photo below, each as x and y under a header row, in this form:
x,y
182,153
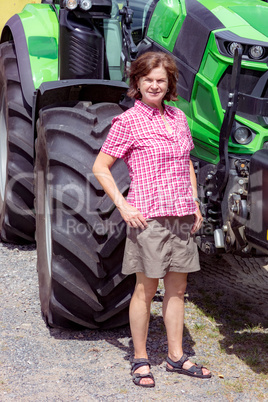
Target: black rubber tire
x,y
17,219
247,277
80,234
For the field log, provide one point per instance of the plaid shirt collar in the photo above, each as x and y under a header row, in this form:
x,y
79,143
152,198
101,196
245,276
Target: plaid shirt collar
x,y
151,111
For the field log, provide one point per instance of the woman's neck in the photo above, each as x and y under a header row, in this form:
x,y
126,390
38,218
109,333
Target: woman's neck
x,y
160,106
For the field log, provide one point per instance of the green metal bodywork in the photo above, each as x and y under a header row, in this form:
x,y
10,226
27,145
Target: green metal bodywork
x,y
41,28
42,34
204,111
166,22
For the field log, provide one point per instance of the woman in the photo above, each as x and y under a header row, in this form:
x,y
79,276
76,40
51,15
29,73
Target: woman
x,y
161,210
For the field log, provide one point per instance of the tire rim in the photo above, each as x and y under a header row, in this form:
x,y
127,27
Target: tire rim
x,y
48,228
3,146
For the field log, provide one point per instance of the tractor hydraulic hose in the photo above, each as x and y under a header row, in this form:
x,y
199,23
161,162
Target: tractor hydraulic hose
x,y
230,109
56,11
226,128
126,22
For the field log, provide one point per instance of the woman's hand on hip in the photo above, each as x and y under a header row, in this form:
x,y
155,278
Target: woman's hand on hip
x,y
132,216
198,220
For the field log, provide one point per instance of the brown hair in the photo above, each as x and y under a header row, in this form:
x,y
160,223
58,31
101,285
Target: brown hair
x,y
144,64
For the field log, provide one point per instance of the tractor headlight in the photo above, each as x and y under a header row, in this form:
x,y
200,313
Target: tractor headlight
x,y
256,52
242,135
85,4
234,45
70,4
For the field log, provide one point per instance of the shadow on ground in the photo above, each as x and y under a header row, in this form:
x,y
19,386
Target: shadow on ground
x,y
232,291
220,294
240,315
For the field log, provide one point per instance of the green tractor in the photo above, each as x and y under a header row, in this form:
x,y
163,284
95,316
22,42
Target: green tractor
x,y
63,77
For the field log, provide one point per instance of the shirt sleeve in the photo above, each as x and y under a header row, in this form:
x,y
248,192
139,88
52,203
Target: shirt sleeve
x,y
188,133
119,139
186,129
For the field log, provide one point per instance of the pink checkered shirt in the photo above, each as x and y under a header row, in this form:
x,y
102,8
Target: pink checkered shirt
x,y
158,162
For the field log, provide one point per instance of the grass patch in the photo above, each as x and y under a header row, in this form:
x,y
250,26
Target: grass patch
x,y
236,385
199,326
252,359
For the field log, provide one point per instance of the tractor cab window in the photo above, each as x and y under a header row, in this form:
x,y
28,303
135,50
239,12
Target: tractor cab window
x,y
142,10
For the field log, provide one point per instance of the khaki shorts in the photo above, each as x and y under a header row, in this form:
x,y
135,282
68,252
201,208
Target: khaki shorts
x,y
166,245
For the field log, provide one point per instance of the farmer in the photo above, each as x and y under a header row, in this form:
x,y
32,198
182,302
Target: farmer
x,y
161,210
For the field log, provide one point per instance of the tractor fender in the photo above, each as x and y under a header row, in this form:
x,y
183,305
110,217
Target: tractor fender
x,y
15,27
35,35
92,91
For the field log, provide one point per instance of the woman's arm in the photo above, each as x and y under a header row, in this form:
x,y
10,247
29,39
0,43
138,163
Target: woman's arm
x,y
198,217
101,170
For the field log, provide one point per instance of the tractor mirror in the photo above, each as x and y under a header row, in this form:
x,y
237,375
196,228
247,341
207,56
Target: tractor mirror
x,y
43,46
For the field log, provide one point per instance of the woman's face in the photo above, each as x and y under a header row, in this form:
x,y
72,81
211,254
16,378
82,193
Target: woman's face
x,y
153,87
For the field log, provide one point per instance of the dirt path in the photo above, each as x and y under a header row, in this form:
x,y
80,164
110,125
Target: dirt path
x,y
223,330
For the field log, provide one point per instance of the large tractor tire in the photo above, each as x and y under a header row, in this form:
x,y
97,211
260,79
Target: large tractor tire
x,y
80,235
242,277
17,220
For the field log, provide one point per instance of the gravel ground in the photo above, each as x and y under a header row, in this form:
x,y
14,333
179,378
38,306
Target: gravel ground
x,y
223,331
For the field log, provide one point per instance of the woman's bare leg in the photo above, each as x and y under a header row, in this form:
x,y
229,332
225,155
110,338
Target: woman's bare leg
x,y
139,316
173,314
